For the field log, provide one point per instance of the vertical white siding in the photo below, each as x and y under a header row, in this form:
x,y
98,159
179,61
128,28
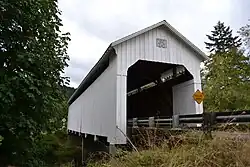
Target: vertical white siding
x,y
121,110
94,112
74,121
144,47
183,102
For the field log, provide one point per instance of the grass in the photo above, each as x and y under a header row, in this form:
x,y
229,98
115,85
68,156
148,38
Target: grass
x,y
187,150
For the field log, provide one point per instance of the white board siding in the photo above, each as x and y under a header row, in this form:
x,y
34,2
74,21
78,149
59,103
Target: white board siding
x,y
121,111
143,47
186,105
95,109
74,118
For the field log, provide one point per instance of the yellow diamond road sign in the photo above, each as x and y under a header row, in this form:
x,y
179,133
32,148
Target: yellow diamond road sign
x,y
198,96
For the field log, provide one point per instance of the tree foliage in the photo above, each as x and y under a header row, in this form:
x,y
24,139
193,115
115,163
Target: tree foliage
x,y
227,83
33,54
222,39
245,35
69,91
227,72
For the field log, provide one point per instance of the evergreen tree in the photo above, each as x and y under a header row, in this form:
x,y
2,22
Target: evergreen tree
x,y
221,39
226,74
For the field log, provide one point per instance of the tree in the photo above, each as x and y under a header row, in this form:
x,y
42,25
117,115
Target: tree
x,y
33,54
226,74
245,35
69,91
221,39
227,83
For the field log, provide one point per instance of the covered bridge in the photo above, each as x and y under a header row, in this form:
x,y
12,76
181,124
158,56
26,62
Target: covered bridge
x,y
153,72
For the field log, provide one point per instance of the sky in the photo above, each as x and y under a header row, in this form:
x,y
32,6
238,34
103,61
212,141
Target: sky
x,y
94,24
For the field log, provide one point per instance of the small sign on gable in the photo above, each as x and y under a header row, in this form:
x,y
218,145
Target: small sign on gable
x,y
161,43
198,96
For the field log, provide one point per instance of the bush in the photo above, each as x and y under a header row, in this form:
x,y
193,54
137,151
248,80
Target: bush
x,y
52,150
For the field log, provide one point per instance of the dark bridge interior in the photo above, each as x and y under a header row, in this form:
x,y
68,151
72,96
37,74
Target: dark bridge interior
x,y
156,98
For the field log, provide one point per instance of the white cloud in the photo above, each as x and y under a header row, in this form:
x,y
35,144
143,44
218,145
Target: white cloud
x,y
84,50
95,24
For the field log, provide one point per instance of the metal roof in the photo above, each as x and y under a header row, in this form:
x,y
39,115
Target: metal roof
x,y
100,65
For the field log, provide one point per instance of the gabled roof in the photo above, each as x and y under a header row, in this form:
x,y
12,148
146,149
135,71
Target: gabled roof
x,y
171,29
100,65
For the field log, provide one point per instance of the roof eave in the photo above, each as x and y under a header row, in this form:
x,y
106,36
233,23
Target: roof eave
x,y
96,66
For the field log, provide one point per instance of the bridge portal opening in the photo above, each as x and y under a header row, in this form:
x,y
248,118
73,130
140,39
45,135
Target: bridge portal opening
x,y
149,88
